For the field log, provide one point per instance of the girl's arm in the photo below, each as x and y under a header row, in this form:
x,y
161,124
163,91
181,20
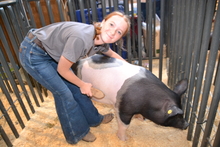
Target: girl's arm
x,y
113,54
64,69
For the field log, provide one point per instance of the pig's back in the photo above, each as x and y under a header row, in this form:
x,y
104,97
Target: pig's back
x,y
107,74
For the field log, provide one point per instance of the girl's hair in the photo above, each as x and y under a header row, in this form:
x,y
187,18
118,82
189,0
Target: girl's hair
x,y
119,13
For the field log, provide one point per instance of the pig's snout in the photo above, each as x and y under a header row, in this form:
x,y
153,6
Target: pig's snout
x,y
185,126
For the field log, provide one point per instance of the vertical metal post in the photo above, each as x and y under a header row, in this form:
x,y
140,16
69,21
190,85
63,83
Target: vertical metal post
x,y
5,111
217,136
162,25
204,48
174,30
41,15
211,117
189,47
30,13
139,32
48,4
81,5
149,33
5,137
60,10
198,38
128,37
7,71
12,61
72,10
94,11
115,4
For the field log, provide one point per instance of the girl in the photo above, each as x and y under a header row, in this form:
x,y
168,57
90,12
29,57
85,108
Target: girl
x,y
48,53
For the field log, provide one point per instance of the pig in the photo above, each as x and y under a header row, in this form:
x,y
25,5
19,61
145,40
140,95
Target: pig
x,y
132,90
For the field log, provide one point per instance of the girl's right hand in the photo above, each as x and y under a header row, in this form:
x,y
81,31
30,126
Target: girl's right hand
x,y
86,89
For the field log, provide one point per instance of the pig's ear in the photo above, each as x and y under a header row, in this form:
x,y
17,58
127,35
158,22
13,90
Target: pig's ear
x,y
181,87
174,110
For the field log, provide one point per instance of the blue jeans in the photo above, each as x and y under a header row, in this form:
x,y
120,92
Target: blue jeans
x,y
76,111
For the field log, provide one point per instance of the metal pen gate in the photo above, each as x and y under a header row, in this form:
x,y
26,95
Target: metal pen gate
x,y
188,35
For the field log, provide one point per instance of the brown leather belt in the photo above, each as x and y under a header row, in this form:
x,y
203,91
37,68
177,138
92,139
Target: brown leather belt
x,y
37,41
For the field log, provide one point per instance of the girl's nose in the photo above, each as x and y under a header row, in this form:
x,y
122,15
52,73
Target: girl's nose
x,y
113,31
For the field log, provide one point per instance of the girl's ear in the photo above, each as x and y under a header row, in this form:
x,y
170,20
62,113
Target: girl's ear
x,y
102,23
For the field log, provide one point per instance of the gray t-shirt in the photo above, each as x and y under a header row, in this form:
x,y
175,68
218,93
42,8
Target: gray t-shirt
x,y
73,40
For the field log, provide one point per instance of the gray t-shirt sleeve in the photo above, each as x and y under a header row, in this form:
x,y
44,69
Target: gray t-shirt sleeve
x,y
74,49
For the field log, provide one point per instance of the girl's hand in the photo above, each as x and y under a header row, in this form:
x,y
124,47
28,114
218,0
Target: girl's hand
x,y
86,89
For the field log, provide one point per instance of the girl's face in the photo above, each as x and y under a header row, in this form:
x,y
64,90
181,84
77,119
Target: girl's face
x,y
113,29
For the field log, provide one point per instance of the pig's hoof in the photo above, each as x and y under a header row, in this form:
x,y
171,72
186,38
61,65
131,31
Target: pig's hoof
x,y
139,117
107,118
122,137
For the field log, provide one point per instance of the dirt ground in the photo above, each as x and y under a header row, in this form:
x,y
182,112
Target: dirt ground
x,y
44,130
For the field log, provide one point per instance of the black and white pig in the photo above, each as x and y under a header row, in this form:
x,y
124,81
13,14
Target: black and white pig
x,y
132,89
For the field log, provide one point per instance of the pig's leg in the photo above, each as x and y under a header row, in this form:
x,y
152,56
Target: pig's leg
x,y
121,127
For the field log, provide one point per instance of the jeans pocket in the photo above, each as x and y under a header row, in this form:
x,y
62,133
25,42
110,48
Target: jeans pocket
x,y
37,55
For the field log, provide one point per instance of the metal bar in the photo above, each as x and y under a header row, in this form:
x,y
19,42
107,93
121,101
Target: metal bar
x,y
162,6
217,136
48,4
128,37
190,48
210,5
103,6
21,17
110,5
176,54
94,11
72,10
14,86
180,49
145,29
6,92
198,39
5,112
9,29
211,116
5,78
133,31
81,5
37,85
154,28
149,33
30,13
41,15
16,47
115,5
139,33
174,30
169,36
27,77
88,14
60,10
14,22
185,34
12,61
185,50
5,137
